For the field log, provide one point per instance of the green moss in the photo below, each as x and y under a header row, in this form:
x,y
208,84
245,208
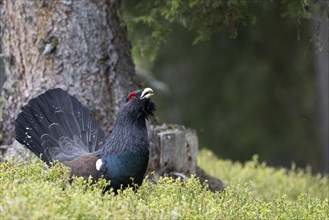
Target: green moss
x,y
31,191
266,181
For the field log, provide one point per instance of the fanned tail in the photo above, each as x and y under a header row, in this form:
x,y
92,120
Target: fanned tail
x,y
56,126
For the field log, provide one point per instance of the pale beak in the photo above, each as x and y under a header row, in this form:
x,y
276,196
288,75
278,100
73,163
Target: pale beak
x,y
147,93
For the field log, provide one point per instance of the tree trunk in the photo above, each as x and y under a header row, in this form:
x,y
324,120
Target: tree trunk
x,y
76,45
321,27
81,47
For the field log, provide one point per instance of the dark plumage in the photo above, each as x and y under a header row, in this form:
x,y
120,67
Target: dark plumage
x,y
57,127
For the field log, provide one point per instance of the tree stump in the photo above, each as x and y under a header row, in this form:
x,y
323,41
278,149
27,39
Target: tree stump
x,y
173,151
173,148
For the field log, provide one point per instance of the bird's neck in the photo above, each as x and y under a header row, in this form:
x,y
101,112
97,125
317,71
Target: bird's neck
x,y
128,134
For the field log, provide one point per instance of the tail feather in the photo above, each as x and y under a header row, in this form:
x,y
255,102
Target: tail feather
x,y
57,126
57,131
25,130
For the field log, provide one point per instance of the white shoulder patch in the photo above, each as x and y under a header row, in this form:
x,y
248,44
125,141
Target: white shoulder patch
x,y
99,164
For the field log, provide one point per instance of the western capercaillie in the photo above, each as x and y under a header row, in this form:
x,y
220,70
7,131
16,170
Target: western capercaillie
x,y
57,127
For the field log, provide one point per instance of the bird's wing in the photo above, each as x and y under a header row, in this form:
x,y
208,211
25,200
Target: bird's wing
x,y
85,166
57,126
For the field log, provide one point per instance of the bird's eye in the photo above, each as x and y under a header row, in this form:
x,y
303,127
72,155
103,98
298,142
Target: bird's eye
x,y
131,96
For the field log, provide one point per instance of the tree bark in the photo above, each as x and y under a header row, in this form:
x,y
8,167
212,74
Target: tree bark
x,y
76,45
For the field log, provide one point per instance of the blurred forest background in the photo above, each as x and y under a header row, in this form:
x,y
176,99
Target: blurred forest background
x,y
249,90
245,80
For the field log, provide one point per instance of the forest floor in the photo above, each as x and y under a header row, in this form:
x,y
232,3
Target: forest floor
x,y
254,190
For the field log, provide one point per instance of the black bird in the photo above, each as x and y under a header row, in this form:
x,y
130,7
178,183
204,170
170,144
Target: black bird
x,y
57,127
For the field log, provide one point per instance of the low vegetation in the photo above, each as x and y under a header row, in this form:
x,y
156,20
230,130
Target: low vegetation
x,y
31,191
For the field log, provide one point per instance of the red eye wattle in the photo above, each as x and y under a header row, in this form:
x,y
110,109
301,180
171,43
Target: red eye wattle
x,y
131,96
